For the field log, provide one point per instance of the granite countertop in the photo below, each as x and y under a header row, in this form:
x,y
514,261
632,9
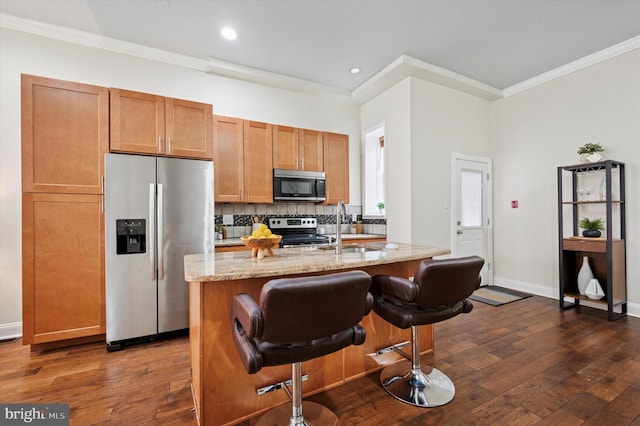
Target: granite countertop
x,y
230,242
297,260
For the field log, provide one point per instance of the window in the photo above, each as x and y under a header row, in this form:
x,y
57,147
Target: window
x,y
374,172
471,198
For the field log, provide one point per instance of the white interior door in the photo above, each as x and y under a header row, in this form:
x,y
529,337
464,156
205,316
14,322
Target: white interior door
x,y
471,211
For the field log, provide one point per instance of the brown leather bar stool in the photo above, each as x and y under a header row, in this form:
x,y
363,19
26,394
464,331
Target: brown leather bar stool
x,y
299,319
439,291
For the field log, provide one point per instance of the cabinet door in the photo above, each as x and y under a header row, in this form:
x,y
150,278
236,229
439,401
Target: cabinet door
x,y
189,129
137,122
285,148
65,133
62,267
258,162
228,159
311,150
336,167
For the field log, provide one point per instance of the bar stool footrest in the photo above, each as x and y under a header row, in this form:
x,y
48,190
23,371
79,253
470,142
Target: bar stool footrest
x,y
427,387
314,414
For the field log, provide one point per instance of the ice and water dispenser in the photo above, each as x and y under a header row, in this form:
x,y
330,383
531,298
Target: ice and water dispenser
x,y
131,236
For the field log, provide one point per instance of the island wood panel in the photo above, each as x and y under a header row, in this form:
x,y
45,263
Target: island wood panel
x,y
380,333
226,394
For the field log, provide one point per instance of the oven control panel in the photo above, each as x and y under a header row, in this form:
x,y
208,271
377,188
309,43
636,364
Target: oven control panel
x,y
293,223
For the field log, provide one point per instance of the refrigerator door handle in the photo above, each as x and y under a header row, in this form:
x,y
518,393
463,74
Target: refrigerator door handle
x,y
152,230
160,232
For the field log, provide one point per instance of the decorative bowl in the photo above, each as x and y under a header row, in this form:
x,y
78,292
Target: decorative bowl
x,y
259,245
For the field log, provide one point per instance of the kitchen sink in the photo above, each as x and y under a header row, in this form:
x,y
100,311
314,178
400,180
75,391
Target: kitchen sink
x,y
350,248
356,249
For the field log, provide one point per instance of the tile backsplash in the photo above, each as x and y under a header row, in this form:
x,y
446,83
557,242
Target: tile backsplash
x,y
243,216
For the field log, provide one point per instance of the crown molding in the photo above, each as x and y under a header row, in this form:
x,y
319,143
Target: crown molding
x,y
256,75
577,65
401,68
87,39
404,66
407,66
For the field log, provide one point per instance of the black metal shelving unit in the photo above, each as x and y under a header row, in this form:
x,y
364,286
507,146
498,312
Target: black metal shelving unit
x,y
607,255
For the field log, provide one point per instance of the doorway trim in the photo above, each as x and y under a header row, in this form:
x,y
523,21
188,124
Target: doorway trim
x,y
487,198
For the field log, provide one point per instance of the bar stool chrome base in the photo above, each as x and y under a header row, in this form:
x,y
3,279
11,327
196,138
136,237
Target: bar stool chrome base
x,y
314,414
415,387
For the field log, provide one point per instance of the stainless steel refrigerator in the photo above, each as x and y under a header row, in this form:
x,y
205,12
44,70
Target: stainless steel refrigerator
x,y
157,210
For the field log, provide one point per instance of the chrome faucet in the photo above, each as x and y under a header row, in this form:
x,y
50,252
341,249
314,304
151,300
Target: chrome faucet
x,y
341,212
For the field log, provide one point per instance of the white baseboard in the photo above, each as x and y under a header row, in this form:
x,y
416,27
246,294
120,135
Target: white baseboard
x,y
10,331
633,309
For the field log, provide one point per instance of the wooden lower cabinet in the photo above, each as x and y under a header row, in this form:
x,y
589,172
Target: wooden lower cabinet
x,y
62,267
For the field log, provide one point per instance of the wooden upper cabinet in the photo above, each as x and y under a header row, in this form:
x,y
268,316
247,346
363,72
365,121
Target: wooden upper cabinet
x,y
65,133
285,148
297,149
228,159
149,124
189,129
137,122
311,150
258,164
336,167
63,295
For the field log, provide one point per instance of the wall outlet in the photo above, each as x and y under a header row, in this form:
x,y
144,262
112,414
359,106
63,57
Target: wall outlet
x,y
227,219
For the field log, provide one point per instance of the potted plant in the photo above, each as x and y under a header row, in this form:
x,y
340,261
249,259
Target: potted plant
x,y
590,152
219,229
591,228
380,206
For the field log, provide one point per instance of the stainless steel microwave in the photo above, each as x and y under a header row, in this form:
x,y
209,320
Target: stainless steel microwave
x,y
298,185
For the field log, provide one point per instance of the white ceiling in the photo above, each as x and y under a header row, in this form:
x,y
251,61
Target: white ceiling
x,y
496,43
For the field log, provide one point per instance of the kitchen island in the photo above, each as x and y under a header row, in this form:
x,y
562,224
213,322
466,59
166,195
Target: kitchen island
x,y
223,391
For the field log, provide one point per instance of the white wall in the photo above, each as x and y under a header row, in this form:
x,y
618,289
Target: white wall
x,y
23,53
536,131
393,107
426,123
443,121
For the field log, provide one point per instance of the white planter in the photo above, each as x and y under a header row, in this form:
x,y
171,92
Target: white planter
x,y
594,290
584,276
591,158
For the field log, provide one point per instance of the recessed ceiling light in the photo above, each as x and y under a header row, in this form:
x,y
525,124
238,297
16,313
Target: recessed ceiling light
x,y
355,70
229,33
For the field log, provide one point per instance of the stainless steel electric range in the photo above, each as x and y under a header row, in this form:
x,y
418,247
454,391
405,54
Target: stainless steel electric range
x,y
298,231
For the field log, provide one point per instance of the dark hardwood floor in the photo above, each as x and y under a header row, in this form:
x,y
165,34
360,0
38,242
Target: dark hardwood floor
x,y
522,363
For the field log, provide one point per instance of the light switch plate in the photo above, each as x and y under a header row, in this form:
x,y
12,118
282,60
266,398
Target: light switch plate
x,y
227,219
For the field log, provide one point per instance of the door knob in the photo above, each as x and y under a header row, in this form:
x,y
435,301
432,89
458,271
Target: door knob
x,y
459,231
